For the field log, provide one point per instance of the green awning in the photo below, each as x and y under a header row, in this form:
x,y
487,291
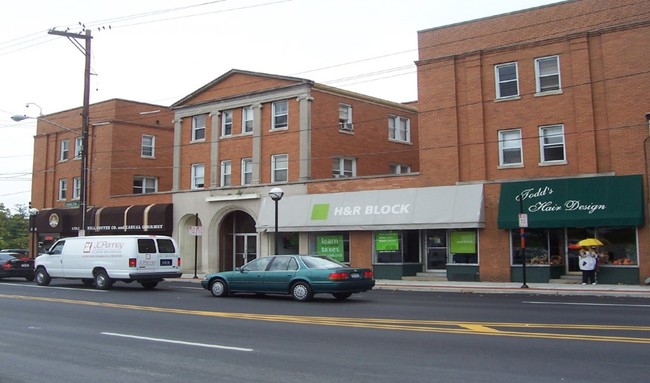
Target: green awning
x,y
574,202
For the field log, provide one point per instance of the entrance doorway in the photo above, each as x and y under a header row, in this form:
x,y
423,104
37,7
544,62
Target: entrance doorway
x,y
245,249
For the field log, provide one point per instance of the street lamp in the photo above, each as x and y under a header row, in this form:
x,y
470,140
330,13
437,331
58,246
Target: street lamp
x,y
33,212
276,195
83,153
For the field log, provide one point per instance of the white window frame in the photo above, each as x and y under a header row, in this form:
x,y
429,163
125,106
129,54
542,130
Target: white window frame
x,y
78,144
499,81
344,167
510,144
280,115
226,173
279,167
345,118
148,146
63,189
197,176
65,150
400,169
399,128
199,123
76,188
147,185
551,137
248,120
548,73
226,123
246,171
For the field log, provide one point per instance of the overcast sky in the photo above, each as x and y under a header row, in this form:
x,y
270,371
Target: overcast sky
x,y
160,51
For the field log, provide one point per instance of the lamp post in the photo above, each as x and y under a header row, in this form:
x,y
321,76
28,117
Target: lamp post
x,y
33,212
276,195
84,164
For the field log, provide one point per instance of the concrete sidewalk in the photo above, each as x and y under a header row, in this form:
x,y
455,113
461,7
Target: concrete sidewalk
x,y
634,291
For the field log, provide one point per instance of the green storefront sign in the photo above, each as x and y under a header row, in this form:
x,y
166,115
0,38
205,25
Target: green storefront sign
x,y
463,242
331,246
576,202
386,241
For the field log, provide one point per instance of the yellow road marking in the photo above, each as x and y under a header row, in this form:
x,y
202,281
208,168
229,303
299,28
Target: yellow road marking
x,y
449,327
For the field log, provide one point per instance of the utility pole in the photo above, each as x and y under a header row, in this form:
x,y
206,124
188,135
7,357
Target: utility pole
x,y
83,184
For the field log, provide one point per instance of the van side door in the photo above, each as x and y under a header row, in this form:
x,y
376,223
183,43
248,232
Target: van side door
x,y
53,261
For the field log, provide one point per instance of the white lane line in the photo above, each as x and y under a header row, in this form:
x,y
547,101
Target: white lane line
x,y
584,304
178,342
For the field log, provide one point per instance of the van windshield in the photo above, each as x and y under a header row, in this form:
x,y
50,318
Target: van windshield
x,y
166,246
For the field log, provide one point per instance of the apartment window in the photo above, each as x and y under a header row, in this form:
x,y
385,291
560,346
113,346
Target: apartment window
x,y
147,146
78,145
551,140
198,128
547,74
399,128
280,168
63,189
507,80
76,188
144,185
400,169
226,123
65,150
344,167
510,149
198,176
226,173
280,114
345,117
246,171
247,120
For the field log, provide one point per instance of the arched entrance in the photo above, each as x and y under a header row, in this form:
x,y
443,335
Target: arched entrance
x,y
190,244
239,240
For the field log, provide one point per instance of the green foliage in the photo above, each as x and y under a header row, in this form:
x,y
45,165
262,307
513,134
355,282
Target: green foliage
x,y
14,227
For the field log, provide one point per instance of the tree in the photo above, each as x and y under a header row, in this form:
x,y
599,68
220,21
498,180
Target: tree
x,y
14,227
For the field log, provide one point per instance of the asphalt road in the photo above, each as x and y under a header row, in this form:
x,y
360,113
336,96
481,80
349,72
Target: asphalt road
x,y
179,332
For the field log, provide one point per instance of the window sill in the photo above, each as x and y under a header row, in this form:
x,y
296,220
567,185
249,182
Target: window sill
x,y
553,163
279,129
549,93
513,166
400,141
346,131
197,141
510,98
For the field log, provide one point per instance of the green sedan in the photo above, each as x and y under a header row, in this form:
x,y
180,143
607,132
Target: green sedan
x,y
300,276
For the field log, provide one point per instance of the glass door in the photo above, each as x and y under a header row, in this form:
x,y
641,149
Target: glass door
x,y
436,249
245,249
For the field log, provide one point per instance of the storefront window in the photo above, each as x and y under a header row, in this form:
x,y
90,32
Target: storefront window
x,y
397,246
332,244
619,245
543,246
462,247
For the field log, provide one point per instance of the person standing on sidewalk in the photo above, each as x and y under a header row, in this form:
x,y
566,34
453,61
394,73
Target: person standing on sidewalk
x,y
587,262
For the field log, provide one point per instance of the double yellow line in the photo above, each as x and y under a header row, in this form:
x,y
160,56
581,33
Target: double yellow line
x,y
521,330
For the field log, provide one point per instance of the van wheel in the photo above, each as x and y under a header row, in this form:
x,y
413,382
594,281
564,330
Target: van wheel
x,y
102,281
149,285
42,277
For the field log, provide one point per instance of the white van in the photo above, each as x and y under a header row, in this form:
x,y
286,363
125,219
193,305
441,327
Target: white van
x,y
102,260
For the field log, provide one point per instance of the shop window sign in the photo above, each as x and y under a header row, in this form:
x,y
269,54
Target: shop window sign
x,y
463,242
386,241
331,246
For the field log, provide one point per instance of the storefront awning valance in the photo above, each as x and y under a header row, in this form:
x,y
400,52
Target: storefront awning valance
x,y
134,219
399,209
575,202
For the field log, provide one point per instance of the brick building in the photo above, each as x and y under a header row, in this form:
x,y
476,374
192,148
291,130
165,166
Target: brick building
x,y
129,174
547,107
246,132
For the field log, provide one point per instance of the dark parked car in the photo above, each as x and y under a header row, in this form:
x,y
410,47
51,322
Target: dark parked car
x,y
15,265
300,276
19,251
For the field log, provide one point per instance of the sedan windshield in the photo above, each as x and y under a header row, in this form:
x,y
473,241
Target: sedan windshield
x,y
321,263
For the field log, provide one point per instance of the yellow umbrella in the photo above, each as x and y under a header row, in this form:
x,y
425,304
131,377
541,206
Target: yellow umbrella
x,y
590,242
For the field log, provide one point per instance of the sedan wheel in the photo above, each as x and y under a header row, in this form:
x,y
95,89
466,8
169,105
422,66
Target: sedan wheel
x,y
301,292
42,277
219,288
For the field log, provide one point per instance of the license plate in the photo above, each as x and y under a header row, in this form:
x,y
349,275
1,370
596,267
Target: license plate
x,y
165,262
25,265
355,276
